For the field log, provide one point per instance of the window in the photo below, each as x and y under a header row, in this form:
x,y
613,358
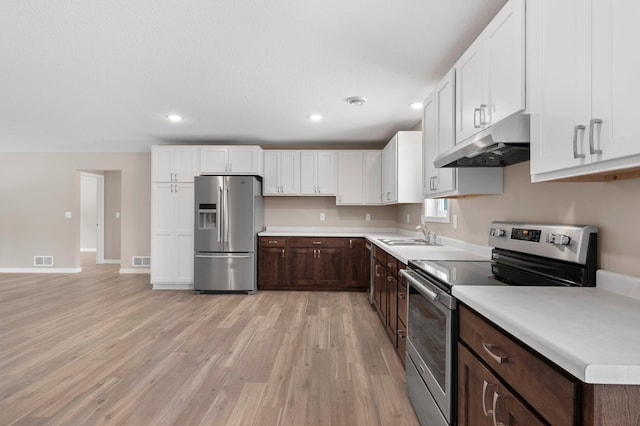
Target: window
x,y
436,210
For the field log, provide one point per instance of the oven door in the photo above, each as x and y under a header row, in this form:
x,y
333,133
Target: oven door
x,y
431,336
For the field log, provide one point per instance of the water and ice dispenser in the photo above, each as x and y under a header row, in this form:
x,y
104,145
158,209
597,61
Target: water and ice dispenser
x,y
207,216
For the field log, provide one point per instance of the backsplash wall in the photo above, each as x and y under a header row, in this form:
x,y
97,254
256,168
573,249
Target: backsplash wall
x,y
612,206
305,212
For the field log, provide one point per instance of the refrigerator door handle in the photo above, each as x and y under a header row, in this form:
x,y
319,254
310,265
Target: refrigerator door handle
x,y
221,256
220,213
226,215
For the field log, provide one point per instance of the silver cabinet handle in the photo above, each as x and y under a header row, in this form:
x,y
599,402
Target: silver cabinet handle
x,y
497,396
499,359
485,385
483,115
283,253
176,176
592,125
476,114
273,241
402,334
576,129
402,296
317,243
350,243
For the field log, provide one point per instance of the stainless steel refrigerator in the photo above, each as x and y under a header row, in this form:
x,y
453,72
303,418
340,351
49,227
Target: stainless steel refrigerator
x,y
229,214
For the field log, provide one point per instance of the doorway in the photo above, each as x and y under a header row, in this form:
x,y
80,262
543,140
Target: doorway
x,y
100,193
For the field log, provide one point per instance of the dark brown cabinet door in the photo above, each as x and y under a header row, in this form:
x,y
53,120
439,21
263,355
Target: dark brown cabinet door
x,y
381,291
355,263
392,309
329,267
484,400
302,267
272,270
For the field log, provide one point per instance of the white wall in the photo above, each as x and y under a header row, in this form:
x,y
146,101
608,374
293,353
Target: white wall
x,y
88,212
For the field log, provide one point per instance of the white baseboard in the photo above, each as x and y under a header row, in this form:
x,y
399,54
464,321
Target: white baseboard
x,y
112,261
135,271
40,270
169,286
87,250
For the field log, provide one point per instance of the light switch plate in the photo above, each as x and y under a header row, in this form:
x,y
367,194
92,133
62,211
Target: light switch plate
x,y
322,216
455,221
67,215
367,217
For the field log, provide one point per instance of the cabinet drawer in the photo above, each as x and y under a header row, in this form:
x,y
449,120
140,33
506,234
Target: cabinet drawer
x,y
272,241
524,371
316,242
392,265
380,255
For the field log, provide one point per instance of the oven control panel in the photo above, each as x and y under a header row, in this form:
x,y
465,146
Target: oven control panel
x,y
562,242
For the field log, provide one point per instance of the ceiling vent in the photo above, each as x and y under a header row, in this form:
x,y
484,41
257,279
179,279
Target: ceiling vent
x,y
356,100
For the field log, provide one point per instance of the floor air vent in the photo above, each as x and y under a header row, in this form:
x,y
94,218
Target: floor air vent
x,y
141,261
42,260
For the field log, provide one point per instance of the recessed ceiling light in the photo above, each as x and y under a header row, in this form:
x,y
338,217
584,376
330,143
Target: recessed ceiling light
x,y
315,117
174,118
356,100
416,105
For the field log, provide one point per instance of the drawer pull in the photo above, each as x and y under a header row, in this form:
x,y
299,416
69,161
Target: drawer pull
x,y
317,243
497,396
487,348
402,296
485,385
273,241
402,334
389,265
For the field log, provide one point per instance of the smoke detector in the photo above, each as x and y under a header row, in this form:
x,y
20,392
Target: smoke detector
x,y
356,100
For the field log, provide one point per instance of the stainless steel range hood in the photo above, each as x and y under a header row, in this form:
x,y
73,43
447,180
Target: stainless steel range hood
x,y
504,143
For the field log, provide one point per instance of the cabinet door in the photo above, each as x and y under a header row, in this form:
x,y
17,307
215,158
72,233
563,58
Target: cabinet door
x,y
214,159
184,228
289,170
355,263
505,61
380,291
326,172
351,177
446,129
308,171
162,164
185,164
245,160
271,182
562,85
390,171
162,233
272,267
330,267
302,267
392,309
174,164
470,90
616,87
429,144
373,177
483,400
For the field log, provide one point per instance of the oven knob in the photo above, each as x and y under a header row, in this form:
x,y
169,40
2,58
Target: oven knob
x,y
497,232
558,239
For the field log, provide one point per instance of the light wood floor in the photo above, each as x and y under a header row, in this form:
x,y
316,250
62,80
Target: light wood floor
x,y
100,348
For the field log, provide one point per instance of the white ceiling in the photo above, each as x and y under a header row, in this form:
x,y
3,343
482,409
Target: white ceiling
x,y
101,75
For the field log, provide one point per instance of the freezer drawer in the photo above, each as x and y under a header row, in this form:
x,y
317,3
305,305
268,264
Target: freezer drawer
x,y
225,272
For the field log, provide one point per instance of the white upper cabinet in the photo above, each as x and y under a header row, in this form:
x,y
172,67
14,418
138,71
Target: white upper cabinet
x,y
402,169
359,177
438,136
174,163
318,172
281,172
584,88
231,159
490,75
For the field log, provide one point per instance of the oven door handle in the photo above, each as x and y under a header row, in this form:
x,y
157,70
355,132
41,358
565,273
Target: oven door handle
x,y
421,287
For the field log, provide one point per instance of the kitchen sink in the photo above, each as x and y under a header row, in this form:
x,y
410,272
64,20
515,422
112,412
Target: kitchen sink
x,y
406,242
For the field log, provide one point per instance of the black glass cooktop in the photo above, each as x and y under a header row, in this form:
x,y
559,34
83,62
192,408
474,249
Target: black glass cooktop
x,y
448,273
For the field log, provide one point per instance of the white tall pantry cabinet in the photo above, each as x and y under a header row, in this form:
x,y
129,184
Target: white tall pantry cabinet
x,y
172,197
584,87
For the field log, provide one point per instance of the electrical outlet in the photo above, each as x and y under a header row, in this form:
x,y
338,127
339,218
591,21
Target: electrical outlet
x,y
408,218
117,215
455,221
322,216
67,215
367,217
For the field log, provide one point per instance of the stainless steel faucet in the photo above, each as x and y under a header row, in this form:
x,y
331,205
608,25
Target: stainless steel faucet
x,y
429,236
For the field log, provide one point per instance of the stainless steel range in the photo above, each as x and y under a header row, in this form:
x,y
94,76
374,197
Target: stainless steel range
x,y
524,254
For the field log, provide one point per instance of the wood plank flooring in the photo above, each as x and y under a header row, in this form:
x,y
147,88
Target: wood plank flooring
x,y
99,348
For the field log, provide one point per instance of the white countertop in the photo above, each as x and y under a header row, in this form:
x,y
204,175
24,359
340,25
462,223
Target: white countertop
x,y
592,333
448,250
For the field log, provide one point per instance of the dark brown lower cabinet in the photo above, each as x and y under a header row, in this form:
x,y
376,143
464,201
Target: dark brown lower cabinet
x,y
392,309
380,290
483,400
307,263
